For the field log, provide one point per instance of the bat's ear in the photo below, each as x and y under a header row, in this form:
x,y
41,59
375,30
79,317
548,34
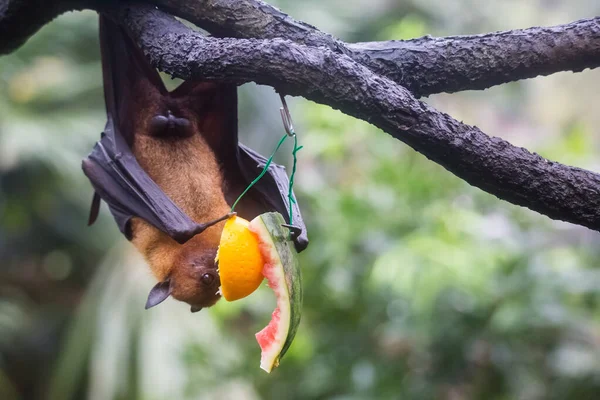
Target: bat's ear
x,y
195,309
159,293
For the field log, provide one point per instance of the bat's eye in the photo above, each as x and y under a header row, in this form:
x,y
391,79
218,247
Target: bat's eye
x,y
207,279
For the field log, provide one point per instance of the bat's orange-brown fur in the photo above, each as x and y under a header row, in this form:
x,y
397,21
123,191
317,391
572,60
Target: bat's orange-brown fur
x,y
186,169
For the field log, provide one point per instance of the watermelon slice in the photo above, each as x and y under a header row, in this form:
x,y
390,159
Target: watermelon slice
x,y
283,276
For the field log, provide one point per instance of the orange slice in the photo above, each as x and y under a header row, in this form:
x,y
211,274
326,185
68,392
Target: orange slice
x,y
240,260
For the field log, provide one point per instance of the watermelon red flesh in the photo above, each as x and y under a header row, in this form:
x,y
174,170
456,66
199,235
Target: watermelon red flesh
x,y
267,334
283,276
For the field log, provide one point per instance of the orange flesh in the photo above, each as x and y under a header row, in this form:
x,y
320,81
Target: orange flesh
x,y
240,260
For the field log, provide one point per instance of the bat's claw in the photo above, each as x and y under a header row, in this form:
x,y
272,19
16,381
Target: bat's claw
x,y
202,227
294,230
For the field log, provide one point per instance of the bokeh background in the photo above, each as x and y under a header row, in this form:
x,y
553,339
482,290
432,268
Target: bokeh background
x,y
417,285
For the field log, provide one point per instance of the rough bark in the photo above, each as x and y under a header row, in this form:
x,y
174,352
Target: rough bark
x,y
319,74
19,19
432,65
424,66
320,68
248,19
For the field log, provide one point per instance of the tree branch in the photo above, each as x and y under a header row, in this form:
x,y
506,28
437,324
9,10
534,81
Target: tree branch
x,y
424,66
248,19
492,164
19,19
328,74
433,65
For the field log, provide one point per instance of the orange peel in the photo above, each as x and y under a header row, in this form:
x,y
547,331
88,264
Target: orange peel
x,y
240,260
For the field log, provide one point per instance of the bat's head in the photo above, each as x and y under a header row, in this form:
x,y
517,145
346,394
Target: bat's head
x,y
193,279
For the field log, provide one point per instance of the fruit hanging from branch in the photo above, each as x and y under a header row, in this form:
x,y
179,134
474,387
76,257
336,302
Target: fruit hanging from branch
x,y
278,263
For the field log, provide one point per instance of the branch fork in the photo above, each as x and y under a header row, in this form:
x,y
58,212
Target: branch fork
x,y
379,82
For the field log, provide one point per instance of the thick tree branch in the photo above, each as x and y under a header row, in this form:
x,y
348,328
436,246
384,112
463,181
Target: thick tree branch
x,y
331,75
424,66
492,164
19,19
432,65
248,19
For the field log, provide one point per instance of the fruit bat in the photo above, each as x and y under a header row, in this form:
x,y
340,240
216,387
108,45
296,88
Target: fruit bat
x,y
169,166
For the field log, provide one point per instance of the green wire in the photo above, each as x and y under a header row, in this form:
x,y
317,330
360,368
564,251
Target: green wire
x,y
264,171
291,199
291,185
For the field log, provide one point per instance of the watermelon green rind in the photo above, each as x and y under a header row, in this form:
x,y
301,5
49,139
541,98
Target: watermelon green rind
x,y
293,277
284,266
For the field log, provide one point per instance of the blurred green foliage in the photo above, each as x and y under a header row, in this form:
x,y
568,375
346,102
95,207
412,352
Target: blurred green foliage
x,y
417,285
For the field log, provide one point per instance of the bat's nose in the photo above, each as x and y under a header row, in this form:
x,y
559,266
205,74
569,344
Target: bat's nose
x,y
195,309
